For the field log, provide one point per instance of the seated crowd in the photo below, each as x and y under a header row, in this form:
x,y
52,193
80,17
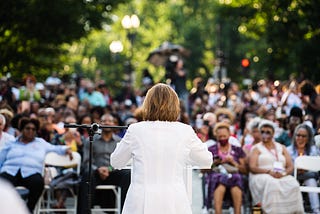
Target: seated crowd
x,y
254,136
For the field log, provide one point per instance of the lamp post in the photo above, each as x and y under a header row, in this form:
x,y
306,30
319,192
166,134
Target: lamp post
x,y
116,47
130,23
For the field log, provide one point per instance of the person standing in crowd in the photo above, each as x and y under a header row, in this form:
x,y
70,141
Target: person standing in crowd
x,y
294,119
102,172
270,180
4,137
291,97
303,144
177,75
21,162
160,148
29,91
93,96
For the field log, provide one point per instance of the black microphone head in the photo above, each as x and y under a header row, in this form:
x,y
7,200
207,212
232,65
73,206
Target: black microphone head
x,y
95,127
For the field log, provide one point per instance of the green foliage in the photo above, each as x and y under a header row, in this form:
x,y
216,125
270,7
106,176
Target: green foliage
x,y
31,31
280,37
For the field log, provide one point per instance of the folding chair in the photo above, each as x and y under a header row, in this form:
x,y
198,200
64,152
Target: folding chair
x,y
23,192
117,192
310,163
46,199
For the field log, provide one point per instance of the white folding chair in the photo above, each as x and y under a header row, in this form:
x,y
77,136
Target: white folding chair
x,y
46,199
117,192
310,163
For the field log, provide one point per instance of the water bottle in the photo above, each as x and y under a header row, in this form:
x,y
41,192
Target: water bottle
x,y
224,171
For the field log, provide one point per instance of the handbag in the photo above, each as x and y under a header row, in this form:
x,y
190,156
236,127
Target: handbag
x,y
230,169
49,173
68,180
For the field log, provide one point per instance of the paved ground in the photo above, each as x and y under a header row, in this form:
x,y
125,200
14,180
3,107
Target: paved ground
x,y
197,199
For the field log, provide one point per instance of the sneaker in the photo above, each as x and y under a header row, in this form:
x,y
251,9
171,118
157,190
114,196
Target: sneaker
x,y
204,211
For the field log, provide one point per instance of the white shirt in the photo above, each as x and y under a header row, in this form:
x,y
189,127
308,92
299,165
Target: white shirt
x,y
5,138
160,152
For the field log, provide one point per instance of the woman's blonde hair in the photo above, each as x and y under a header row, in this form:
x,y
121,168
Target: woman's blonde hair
x,y
221,125
161,103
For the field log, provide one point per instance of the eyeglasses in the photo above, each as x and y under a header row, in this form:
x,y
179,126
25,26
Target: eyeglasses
x,y
107,120
30,128
301,135
266,132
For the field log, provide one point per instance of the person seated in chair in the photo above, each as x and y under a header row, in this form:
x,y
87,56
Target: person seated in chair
x,y
270,181
228,156
22,160
302,144
101,171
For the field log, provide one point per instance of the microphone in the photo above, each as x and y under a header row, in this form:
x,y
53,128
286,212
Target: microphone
x,y
95,127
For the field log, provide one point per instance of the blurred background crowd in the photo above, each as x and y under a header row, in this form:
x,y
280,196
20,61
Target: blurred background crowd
x,y
287,104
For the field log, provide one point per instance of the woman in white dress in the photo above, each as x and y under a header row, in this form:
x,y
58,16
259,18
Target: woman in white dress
x,y
270,180
160,149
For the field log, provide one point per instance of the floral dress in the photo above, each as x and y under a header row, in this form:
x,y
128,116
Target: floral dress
x,y
213,179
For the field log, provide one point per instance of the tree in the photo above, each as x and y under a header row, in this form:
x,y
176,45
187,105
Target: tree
x,y
31,31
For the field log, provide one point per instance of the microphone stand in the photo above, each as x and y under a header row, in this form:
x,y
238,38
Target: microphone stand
x,y
94,128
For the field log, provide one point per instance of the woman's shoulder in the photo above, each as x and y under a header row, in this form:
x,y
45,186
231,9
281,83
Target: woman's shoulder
x,y
257,146
290,149
210,142
157,123
280,146
40,140
314,151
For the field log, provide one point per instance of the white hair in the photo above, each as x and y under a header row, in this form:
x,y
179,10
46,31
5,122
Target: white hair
x,y
253,123
267,123
3,119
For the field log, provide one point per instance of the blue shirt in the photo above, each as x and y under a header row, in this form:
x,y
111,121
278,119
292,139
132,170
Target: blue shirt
x,y
95,98
294,153
29,158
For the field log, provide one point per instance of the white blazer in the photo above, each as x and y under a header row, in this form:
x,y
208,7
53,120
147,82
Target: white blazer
x,y
160,152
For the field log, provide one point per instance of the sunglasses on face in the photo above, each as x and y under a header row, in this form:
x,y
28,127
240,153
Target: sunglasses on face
x,y
266,132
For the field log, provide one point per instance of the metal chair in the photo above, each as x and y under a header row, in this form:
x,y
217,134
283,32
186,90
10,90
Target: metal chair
x,y
46,199
23,192
310,163
117,192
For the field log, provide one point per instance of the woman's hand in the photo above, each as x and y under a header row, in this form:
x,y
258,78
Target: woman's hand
x,y
69,152
217,161
276,174
301,171
229,159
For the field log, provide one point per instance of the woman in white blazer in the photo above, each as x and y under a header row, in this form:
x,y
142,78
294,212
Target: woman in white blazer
x,y
160,148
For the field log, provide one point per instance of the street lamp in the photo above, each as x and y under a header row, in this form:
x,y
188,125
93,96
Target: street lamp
x,y
130,23
116,47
